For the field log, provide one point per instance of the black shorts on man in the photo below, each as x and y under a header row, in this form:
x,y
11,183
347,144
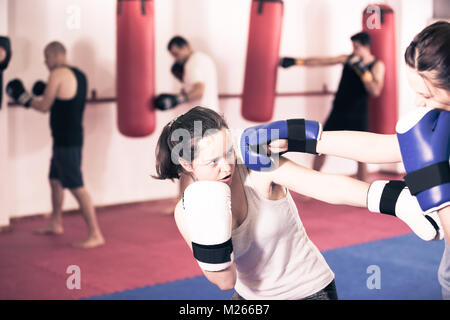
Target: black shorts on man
x,y
65,166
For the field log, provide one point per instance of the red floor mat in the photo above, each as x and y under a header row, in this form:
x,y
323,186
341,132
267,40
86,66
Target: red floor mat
x,y
143,247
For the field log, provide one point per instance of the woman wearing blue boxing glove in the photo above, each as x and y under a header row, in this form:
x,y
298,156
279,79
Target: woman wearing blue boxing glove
x,y
422,141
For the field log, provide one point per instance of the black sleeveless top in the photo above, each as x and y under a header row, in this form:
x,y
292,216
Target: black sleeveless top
x,y
350,111
66,115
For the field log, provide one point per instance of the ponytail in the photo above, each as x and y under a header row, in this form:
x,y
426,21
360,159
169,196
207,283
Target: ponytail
x,y
165,168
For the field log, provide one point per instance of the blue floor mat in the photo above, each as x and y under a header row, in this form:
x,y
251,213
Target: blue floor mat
x,y
399,268
406,265
198,288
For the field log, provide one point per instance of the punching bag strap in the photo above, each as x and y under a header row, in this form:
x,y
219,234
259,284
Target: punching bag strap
x,y
143,11
261,4
119,7
383,12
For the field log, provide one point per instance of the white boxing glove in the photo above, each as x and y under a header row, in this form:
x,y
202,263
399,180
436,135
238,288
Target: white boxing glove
x,y
434,219
207,205
394,198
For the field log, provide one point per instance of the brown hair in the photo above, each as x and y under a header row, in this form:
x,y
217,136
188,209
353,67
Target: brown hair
x,y
197,123
430,52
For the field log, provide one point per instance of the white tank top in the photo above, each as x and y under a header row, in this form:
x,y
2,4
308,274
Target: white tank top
x,y
274,257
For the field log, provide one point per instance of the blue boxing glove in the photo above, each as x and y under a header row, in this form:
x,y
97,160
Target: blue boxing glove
x,y
424,139
302,136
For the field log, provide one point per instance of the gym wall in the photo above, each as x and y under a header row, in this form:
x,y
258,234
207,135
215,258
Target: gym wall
x,y
117,169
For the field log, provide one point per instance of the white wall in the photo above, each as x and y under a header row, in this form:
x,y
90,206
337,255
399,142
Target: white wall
x,y
117,169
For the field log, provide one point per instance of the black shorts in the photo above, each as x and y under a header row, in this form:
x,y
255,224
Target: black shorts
x,y
65,166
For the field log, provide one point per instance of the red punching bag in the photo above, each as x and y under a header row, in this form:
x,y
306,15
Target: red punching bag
x,y
261,67
135,67
378,22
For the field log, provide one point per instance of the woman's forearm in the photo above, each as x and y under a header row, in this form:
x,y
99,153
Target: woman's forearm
x,y
331,188
225,279
360,146
343,190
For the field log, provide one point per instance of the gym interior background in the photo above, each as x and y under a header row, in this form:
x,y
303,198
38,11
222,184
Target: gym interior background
x,y
117,169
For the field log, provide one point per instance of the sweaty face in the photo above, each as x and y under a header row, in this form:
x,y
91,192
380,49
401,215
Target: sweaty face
x,y
427,95
215,159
